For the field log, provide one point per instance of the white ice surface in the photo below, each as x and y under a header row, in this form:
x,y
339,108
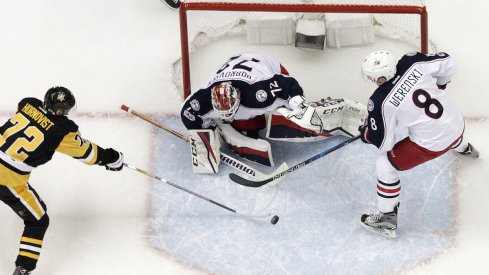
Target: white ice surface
x,y
115,52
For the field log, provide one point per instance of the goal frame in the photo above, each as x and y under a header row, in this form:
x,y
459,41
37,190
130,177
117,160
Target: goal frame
x,y
305,8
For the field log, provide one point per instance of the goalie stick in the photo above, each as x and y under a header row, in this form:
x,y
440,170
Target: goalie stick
x,y
250,183
196,194
234,163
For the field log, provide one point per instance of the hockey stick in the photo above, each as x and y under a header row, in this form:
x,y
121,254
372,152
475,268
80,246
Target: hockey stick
x,y
234,163
250,183
196,194
152,121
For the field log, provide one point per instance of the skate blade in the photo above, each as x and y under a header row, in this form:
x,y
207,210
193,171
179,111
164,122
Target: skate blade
x,y
389,233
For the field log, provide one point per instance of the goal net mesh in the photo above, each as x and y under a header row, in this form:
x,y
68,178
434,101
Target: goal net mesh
x,y
204,22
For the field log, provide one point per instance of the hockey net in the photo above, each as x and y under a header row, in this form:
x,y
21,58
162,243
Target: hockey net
x,y
205,22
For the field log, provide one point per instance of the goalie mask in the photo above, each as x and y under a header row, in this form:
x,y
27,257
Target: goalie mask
x,y
59,101
378,64
225,100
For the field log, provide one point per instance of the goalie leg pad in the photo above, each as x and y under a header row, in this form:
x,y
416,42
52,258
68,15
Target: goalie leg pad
x,y
205,149
256,150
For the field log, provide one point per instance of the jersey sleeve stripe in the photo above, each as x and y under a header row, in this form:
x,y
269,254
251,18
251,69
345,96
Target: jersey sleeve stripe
x,y
87,153
90,156
81,149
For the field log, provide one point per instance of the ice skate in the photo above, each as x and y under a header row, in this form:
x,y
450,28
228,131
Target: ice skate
x,y
21,271
470,152
384,224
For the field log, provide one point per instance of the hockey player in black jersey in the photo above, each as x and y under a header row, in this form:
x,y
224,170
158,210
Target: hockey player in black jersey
x,y
29,139
238,101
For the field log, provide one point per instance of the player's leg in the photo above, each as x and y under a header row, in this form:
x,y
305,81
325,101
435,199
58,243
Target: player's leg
x,y
251,148
465,148
384,222
250,127
27,204
404,156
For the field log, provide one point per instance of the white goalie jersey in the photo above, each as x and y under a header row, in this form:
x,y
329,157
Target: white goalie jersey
x,y
264,85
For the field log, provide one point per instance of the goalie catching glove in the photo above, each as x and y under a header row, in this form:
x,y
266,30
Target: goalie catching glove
x,y
364,133
340,116
302,114
305,116
205,147
325,118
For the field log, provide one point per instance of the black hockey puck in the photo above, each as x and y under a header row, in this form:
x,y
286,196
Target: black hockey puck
x,y
274,219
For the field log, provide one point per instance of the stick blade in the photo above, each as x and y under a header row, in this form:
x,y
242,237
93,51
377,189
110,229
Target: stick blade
x,y
246,182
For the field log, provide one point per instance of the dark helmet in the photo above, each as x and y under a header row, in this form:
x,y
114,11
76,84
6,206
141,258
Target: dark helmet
x,y
59,99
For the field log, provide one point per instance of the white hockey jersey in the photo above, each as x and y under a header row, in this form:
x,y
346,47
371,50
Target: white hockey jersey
x,y
413,100
263,82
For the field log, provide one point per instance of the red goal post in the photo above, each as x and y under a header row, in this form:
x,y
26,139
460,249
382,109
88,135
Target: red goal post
x,y
285,6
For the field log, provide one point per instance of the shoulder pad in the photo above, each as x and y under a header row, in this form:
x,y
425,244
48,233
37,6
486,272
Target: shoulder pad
x,y
31,100
64,124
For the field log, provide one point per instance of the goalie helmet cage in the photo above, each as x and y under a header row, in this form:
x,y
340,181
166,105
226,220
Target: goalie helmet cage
x,y
390,13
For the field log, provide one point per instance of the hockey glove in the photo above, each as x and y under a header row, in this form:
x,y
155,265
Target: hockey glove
x,y
115,160
297,112
364,133
297,107
442,86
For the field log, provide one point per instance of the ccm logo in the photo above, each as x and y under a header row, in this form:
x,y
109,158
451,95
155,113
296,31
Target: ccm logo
x,y
333,110
193,147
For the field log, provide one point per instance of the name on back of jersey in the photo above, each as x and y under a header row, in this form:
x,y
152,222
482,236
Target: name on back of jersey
x,y
405,87
233,75
37,116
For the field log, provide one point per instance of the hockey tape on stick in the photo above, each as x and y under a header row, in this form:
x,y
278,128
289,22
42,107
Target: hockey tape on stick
x,y
228,160
250,183
196,194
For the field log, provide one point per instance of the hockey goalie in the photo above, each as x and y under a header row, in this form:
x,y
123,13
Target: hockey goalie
x,y
252,98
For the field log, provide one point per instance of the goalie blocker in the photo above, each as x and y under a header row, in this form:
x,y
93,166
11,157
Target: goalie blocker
x,y
318,120
205,149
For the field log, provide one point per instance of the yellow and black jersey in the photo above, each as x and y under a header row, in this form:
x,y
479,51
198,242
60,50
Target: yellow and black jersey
x,y
31,137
